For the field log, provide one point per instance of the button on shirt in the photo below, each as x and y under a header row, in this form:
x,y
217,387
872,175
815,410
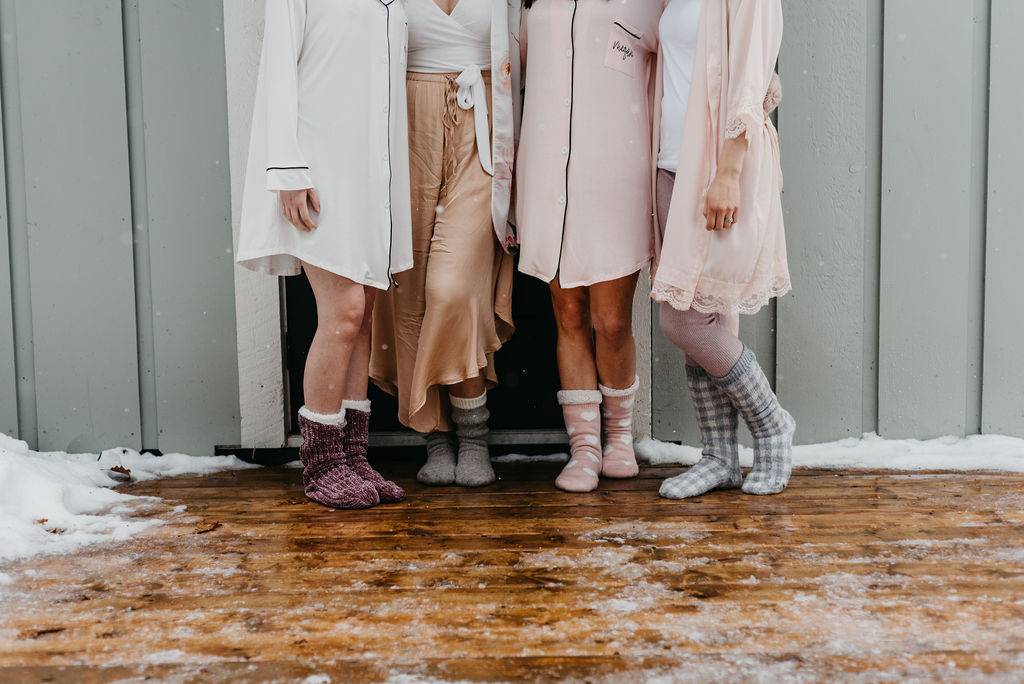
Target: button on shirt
x,y
584,167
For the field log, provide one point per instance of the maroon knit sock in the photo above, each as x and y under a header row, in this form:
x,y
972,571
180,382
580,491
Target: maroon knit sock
x,y
326,477
357,434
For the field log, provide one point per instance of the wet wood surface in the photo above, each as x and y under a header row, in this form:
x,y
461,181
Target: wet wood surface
x,y
863,576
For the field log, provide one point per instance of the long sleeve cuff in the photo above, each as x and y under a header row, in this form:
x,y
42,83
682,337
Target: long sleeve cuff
x,y
289,179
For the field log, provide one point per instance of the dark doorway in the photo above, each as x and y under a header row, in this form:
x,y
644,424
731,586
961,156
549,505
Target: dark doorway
x,y
528,375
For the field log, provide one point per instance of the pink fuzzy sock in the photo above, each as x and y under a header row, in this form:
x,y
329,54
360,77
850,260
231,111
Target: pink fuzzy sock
x,y
357,437
326,478
619,459
582,412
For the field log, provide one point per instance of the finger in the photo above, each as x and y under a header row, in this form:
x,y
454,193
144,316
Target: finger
x,y
293,218
314,199
709,216
304,217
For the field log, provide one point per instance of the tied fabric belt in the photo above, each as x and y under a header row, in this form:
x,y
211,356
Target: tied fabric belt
x,y
472,94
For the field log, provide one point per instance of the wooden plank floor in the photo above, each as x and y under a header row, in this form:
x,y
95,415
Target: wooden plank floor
x,y
845,577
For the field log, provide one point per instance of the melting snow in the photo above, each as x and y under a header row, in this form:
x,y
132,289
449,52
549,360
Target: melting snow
x,y
57,502
977,452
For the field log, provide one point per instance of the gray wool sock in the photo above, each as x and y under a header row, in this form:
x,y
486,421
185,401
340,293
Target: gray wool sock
x,y
771,425
719,466
474,467
440,466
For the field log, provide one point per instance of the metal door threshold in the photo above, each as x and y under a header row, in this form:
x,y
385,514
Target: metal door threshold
x,y
497,437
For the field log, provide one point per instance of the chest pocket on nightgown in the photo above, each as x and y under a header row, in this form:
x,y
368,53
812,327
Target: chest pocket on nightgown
x,y
624,52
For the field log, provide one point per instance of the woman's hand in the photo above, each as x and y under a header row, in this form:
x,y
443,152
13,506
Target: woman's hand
x,y
296,204
722,203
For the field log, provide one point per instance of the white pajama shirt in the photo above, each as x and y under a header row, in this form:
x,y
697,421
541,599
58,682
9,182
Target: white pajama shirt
x,y
330,114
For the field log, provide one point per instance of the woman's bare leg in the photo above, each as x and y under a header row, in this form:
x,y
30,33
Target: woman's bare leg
x,y
577,368
611,310
326,476
580,400
357,378
341,314
468,389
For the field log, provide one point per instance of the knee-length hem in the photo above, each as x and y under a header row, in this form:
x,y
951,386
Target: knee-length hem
x,y
281,263
602,278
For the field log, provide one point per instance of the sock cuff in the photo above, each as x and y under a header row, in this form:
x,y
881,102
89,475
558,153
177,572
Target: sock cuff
x,y
695,372
578,397
323,418
746,362
628,392
356,405
471,403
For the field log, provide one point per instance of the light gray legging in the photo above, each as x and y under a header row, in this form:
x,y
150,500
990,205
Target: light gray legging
x,y
709,340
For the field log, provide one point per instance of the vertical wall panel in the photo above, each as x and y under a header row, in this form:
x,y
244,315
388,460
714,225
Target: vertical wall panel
x,y
258,299
17,225
672,419
79,223
872,212
975,324
189,211
1003,397
822,123
8,387
142,262
926,216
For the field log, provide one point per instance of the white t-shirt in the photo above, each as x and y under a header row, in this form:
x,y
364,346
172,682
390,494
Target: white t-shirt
x,y
678,35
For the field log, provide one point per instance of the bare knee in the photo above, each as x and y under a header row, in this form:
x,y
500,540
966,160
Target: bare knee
x,y
614,329
573,319
342,323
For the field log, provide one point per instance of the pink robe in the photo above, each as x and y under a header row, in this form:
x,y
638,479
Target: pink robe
x,y
583,186
734,89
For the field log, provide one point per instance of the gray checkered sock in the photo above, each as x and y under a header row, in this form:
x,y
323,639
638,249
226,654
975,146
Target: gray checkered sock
x,y
771,425
719,466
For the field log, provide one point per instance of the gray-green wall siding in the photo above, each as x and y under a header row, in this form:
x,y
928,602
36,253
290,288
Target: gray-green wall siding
x,y
903,204
117,220
901,149
1002,405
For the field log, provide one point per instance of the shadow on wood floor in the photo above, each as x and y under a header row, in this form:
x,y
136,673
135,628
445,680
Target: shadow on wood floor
x,y
846,576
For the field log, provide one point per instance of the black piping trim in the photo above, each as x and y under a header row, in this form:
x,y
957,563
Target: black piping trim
x,y
286,168
391,208
628,31
568,157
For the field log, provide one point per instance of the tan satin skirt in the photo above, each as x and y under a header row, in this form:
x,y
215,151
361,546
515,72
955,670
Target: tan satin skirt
x,y
453,310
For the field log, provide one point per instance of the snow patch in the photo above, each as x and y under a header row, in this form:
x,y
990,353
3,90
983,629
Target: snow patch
x,y
57,502
977,452
317,679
